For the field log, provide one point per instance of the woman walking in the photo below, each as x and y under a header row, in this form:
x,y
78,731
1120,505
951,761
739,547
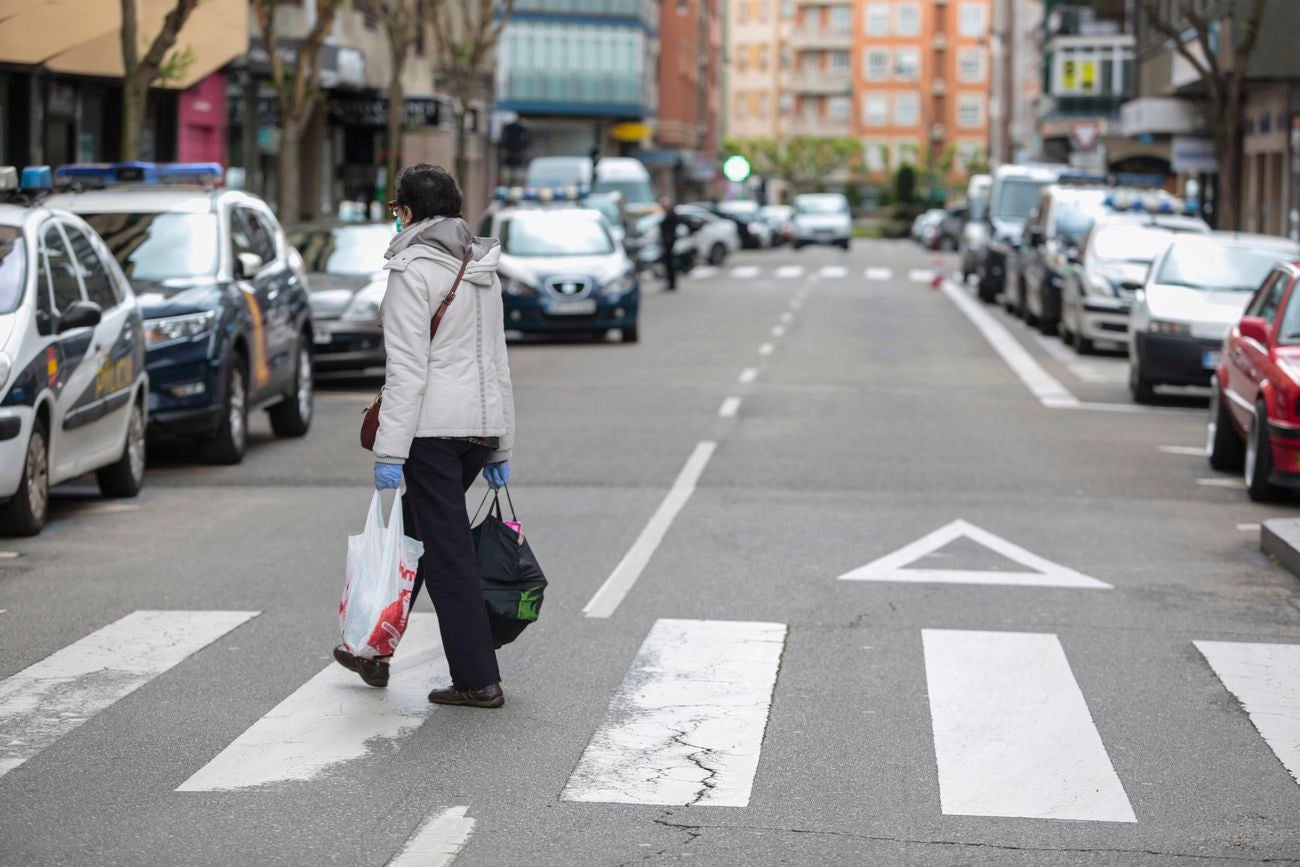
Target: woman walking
x,y
448,414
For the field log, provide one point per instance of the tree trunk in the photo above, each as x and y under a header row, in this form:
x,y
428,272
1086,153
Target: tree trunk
x,y
290,191
395,115
135,91
1227,135
462,148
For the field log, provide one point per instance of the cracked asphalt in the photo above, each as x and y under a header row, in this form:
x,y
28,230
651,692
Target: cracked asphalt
x,y
879,416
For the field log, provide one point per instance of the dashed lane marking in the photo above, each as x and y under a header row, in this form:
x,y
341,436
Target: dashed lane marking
x,y
878,274
729,408
788,272
1188,451
1235,484
778,331
748,375
1265,678
787,317
8,555
744,272
438,840
766,349
1248,528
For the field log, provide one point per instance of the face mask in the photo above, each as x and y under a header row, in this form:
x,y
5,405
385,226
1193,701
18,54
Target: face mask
x,y
399,225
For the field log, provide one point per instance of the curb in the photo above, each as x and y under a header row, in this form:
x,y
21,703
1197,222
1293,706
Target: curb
x,y
1280,538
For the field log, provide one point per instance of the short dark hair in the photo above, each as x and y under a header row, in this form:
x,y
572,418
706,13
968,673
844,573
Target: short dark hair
x,y
429,191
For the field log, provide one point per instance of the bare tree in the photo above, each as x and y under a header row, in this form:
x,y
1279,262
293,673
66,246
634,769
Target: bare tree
x,y
299,95
402,21
467,32
140,72
1224,80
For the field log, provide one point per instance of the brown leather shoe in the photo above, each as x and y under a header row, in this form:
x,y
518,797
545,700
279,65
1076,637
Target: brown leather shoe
x,y
373,671
488,696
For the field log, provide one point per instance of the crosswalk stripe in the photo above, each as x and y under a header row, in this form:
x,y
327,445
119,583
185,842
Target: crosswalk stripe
x,y
703,272
437,841
920,275
1012,733
1265,678
878,273
745,272
787,272
331,718
834,272
686,726
45,701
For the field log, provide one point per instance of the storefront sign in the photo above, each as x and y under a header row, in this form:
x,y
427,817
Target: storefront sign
x,y
340,66
372,112
1194,155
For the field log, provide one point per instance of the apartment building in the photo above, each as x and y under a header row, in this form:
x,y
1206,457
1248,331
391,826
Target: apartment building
x,y
684,158
920,81
752,99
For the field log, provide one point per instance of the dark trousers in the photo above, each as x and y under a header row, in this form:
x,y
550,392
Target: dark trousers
x,y
670,273
438,473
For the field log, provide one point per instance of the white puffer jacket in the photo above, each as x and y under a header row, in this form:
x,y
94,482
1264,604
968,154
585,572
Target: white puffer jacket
x,y
458,385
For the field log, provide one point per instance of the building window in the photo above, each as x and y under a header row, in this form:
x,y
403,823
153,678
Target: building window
x,y
906,153
972,21
742,11
970,110
742,58
762,58
841,19
839,107
969,153
907,109
875,155
907,64
786,102
762,10
787,8
875,109
840,61
758,104
909,20
877,64
970,65
742,102
877,19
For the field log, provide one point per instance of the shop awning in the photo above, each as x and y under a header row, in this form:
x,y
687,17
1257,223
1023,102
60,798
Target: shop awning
x,y
82,37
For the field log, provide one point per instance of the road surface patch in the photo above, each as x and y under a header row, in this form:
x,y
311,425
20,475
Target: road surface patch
x,y
686,726
437,841
1265,678
332,718
1012,733
47,700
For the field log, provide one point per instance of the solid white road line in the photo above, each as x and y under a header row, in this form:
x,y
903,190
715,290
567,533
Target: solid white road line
x,y
45,701
878,273
629,569
1039,382
1248,528
330,719
8,555
686,726
766,349
748,375
833,272
745,272
778,331
1235,484
1012,733
1265,678
787,272
437,841
729,408
1189,451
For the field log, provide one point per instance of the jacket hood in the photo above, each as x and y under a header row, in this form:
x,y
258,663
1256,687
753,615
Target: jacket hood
x,y
444,240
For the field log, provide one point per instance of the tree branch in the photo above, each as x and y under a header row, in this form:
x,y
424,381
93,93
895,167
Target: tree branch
x,y
1170,32
166,38
130,36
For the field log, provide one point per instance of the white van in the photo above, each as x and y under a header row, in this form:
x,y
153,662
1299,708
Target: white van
x,y
628,176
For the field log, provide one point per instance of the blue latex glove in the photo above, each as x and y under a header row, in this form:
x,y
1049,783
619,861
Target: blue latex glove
x,y
497,475
387,475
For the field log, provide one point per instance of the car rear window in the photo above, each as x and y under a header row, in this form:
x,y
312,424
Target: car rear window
x,y
160,246
13,268
821,205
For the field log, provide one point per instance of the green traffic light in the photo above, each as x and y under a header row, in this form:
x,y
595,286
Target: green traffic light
x,y
735,168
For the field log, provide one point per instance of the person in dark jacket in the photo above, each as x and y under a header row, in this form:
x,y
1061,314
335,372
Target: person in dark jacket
x,y
668,237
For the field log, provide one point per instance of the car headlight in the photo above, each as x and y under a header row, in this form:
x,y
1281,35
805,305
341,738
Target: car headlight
x,y
1099,285
619,285
1162,326
362,309
516,287
170,328
6,365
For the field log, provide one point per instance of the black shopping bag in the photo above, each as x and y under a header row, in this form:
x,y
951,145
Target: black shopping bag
x,y
512,581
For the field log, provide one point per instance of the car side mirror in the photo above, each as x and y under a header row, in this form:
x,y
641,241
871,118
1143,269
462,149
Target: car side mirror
x,y
79,314
1256,329
247,265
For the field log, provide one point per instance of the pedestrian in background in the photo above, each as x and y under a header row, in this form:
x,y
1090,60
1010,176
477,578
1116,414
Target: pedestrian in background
x,y
447,414
668,237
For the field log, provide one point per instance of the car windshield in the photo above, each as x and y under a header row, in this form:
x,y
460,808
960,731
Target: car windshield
x,y
821,205
608,208
1204,264
345,249
553,235
1016,198
558,171
635,192
979,208
160,246
13,268
1135,244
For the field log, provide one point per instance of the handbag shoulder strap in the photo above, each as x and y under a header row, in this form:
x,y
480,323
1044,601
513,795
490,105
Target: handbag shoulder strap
x,y
451,296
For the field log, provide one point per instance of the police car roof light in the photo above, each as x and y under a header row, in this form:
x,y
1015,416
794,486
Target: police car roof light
x,y
138,172
37,179
201,173
88,174
8,178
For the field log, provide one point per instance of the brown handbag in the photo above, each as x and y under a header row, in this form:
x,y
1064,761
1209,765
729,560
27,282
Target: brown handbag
x,y
370,416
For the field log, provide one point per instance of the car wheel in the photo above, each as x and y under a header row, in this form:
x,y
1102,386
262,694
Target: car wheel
x,y
844,245
227,444
1259,458
292,416
125,476
986,291
631,334
1223,448
1142,388
1084,345
717,253
26,513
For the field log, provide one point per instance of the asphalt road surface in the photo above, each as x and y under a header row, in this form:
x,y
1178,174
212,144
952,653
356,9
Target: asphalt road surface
x,y
845,569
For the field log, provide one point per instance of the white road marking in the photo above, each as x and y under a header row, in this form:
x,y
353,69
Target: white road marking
x,y
920,275
686,726
105,508
1189,451
833,272
8,555
787,272
1235,484
787,317
1039,382
1248,528
50,698
1265,678
893,567
748,375
745,272
796,303
729,408
332,718
778,331
1012,733
878,273
766,349
704,272
437,841
629,569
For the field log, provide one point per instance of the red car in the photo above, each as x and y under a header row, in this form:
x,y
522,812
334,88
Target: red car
x,y
1255,409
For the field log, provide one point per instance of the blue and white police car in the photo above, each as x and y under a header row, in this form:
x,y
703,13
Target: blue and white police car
x,y
73,386
224,298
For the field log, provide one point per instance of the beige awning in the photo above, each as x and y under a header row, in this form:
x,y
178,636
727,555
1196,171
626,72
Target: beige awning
x,y
82,37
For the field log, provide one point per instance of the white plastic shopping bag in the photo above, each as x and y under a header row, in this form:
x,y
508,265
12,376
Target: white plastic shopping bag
x,y
380,577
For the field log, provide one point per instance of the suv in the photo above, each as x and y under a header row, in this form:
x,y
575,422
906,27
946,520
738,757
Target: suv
x,y
224,297
73,388
1015,192
822,218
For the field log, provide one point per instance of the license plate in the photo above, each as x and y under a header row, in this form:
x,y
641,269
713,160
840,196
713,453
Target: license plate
x,y
321,338
1210,359
572,308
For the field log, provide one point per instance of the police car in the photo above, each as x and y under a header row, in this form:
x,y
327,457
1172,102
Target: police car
x,y
561,270
73,387
224,297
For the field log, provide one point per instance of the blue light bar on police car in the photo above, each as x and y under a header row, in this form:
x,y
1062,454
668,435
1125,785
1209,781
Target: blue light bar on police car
x,y
138,172
37,179
570,193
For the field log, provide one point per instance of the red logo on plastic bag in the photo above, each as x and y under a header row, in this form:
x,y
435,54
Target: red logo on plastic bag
x,y
392,622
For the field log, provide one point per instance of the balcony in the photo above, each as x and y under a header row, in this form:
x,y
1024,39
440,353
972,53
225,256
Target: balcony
x,y
1159,115
818,37
816,127
543,91
819,81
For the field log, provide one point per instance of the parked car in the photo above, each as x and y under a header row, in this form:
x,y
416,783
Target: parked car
x,y
974,235
1014,194
926,226
625,175
224,297
345,267
780,219
715,238
73,387
1193,294
948,236
822,218
1254,422
755,233
1053,232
